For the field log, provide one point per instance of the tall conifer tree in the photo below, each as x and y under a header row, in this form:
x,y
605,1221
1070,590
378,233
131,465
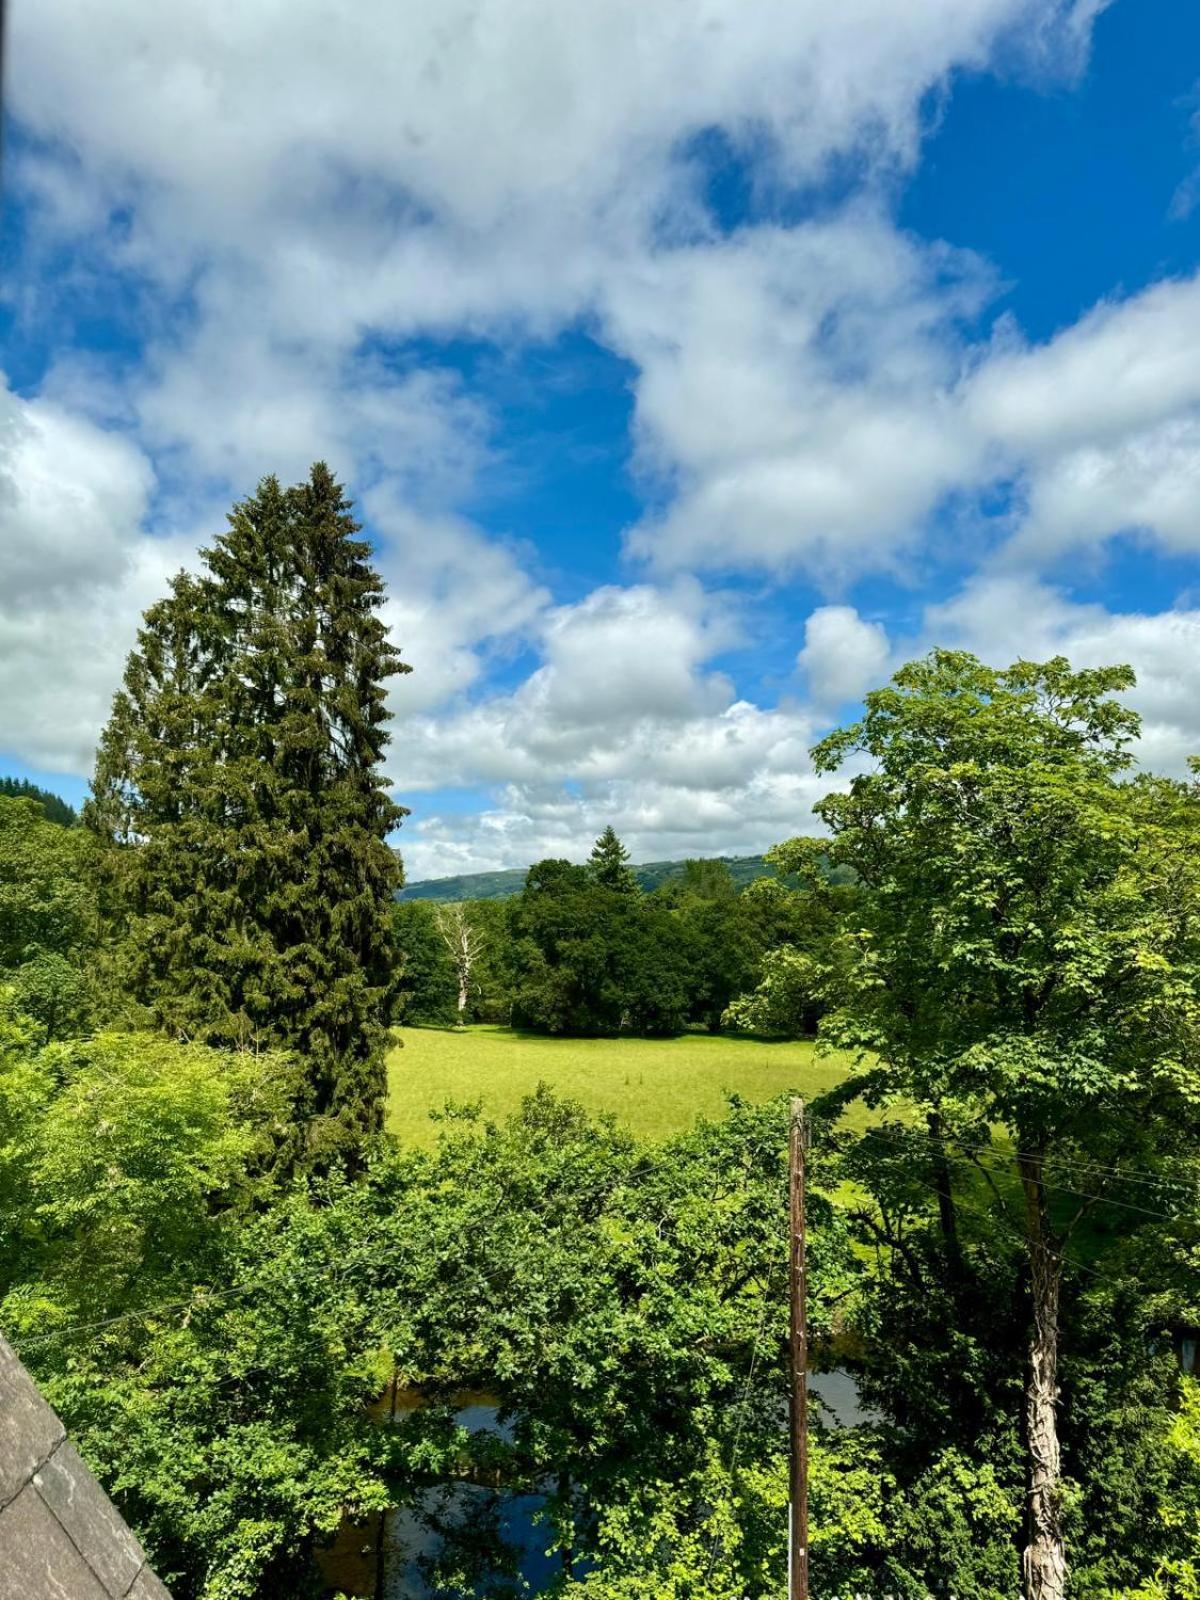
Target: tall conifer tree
x,y
238,797
609,863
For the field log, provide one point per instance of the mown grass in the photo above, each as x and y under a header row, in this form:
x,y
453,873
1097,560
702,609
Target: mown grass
x,y
654,1087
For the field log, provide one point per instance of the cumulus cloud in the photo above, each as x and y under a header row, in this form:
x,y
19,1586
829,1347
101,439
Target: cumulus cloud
x,y
843,656
1101,423
623,689
481,117
75,572
72,497
656,821
290,198
796,394
624,721
810,400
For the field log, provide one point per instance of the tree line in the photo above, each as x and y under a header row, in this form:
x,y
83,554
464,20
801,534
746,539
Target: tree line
x,y
213,1257
584,951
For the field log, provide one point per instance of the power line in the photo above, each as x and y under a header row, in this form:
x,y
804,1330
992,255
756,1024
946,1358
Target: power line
x,y
1188,1185
1015,1233
196,1303
1002,1166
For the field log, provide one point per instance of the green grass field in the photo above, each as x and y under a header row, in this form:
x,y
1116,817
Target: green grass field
x,y
655,1087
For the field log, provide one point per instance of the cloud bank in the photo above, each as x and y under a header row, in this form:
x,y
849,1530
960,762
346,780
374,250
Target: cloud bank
x,y
293,224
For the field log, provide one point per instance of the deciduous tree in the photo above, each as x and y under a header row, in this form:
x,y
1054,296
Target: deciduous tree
x,y
1023,955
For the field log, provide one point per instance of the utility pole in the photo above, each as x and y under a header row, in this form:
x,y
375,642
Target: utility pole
x,y
797,1295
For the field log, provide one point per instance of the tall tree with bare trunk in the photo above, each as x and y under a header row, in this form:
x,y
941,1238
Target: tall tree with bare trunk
x,y
1020,961
464,941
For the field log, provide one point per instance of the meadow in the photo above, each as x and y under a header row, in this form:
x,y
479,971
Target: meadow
x,y
654,1087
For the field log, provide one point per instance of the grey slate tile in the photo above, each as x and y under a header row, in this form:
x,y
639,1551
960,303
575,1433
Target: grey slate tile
x,y
61,1537
149,1587
95,1525
37,1559
29,1430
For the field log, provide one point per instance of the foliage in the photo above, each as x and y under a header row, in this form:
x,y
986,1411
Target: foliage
x,y
47,916
1022,953
718,932
424,988
45,905
580,951
623,1306
608,864
54,809
241,809
797,930
593,959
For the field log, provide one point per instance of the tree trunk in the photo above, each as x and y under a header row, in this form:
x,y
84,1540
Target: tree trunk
x,y
565,1499
463,994
947,1215
1044,1563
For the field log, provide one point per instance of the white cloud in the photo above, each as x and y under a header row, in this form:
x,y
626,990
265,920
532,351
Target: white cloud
x,y
78,565
1148,483
624,721
657,822
288,193
476,116
1102,424
75,574
1123,367
796,392
810,401
622,690
294,187
452,595
843,655
72,497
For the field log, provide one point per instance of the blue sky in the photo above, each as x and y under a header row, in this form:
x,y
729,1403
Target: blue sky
x,y
691,368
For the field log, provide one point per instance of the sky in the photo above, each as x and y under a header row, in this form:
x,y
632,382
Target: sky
x,y
692,364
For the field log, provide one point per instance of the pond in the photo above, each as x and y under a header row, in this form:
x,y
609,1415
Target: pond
x,y
493,1537
495,1534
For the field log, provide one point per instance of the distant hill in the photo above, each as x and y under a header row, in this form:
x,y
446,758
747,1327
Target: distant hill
x,y
55,810
499,885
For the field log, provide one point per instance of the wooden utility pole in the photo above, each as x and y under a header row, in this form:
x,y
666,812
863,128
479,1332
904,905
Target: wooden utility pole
x,y
797,1287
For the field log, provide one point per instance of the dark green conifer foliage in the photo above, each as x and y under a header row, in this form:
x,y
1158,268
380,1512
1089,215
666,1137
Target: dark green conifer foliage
x,y
238,797
609,864
54,809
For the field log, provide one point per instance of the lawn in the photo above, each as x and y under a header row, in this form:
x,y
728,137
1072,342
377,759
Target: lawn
x,y
655,1087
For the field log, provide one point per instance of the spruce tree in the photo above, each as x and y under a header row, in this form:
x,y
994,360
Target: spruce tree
x,y
245,872
609,864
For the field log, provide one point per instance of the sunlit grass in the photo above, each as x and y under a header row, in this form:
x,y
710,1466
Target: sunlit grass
x,y
654,1087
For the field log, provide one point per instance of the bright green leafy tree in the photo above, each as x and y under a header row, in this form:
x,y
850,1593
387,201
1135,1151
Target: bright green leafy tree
x,y
1022,957
47,916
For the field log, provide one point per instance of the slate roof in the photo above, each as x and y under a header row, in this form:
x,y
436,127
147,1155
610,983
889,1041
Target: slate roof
x,y
61,1537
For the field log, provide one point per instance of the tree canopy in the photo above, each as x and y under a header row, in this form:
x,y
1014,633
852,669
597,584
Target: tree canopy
x,y
1022,957
241,809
